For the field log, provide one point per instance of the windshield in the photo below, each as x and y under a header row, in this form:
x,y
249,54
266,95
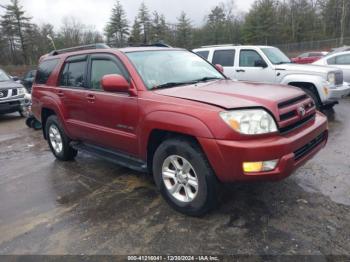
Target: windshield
x,y
276,56
4,76
168,68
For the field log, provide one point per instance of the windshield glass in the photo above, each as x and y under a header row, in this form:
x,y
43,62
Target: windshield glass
x,y
275,55
4,76
169,68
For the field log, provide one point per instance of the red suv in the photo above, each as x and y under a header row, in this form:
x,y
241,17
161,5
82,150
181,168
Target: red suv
x,y
171,113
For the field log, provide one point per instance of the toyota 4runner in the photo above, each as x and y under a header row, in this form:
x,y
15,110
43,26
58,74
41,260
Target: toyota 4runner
x,y
171,113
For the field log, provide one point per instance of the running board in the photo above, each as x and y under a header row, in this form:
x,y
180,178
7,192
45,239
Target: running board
x,y
111,156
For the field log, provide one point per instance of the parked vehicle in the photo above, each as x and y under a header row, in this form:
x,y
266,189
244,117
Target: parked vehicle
x,y
338,60
169,112
28,80
308,58
12,95
270,65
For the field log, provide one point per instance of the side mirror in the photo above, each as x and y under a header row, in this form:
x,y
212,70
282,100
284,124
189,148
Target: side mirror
x,y
15,78
114,83
260,63
219,68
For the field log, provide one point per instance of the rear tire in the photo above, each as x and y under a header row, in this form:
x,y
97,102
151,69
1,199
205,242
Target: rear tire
x,y
58,141
184,177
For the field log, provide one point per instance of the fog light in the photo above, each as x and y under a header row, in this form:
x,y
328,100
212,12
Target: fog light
x,y
252,167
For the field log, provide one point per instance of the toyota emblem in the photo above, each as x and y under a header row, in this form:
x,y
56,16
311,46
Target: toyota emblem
x,y
302,111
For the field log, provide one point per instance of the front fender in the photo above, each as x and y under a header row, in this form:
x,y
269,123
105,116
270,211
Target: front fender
x,y
315,80
172,122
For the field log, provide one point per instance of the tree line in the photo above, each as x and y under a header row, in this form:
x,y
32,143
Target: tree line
x,y
267,22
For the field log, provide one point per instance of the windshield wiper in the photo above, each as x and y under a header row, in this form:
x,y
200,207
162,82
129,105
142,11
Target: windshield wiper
x,y
208,78
173,84
281,63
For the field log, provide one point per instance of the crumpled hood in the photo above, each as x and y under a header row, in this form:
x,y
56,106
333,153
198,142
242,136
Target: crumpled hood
x,y
9,84
230,94
307,68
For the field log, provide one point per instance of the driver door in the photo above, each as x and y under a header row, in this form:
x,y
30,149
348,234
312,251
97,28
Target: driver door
x,y
249,67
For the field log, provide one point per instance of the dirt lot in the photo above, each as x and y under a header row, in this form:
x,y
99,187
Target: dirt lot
x,y
93,207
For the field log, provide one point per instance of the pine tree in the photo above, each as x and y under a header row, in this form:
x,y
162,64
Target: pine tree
x,y
135,36
145,22
117,29
15,24
184,31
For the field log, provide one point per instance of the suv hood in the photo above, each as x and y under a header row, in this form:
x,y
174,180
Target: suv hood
x,y
230,94
308,68
9,84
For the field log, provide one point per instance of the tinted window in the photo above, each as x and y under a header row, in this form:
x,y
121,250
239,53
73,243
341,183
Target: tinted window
x,y
224,57
203,54
44,71
342,60
73,74
100,68
331,61
248,58
315,54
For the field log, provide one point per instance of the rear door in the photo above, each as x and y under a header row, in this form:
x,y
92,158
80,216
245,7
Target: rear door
x,y
248,67
226,58
72,93
112,117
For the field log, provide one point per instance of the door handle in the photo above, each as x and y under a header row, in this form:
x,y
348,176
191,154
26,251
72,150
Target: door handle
x,y
90,98
240,71
60,94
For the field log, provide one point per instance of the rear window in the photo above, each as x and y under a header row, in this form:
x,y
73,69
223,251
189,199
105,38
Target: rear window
x,y
44,71
73,74
203,54
224,57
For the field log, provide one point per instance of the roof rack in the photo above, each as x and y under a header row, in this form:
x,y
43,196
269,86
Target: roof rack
x,y
204,46
79,48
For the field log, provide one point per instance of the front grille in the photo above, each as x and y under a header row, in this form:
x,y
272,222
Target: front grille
x,y
292,101
303,151
295,113
338,78
3,93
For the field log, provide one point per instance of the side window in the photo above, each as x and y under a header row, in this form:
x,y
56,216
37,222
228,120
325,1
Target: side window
x,y
224,57
100,68
248,58
203,54
73,74
44,71
331,61
342,60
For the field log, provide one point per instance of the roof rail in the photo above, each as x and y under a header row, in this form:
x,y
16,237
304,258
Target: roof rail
x,y
79,48
204,46
156,45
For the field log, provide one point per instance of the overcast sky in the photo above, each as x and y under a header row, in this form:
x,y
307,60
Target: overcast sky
x,y
97,12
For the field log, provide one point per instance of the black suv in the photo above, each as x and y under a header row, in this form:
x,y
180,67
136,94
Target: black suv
x,y
12,95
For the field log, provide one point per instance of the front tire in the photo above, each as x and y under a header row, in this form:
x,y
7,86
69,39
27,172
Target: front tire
x,y
314,98
184,177
58,140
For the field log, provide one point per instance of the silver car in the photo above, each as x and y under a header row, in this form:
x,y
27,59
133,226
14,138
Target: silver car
x,y
339,60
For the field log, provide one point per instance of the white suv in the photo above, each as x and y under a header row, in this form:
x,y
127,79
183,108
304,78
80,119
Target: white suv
x,y
270,65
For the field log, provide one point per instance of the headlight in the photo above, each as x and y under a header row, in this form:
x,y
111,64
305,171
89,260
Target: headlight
x,y
21,91
331,78
250,121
